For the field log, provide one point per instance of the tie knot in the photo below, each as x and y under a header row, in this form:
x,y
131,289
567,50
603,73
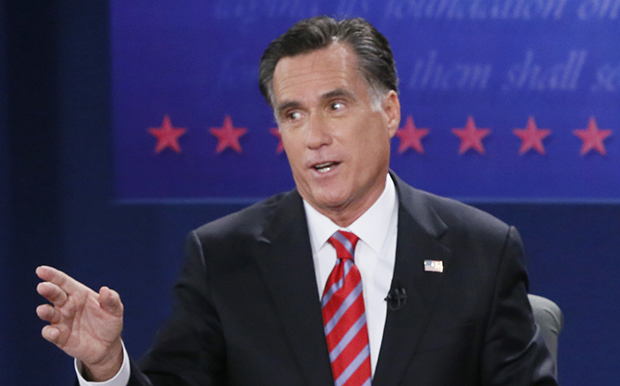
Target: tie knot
x,y
344,242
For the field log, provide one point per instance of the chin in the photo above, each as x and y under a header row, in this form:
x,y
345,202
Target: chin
x,y
332,203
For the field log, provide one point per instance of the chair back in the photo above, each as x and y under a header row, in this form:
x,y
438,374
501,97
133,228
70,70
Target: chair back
x,y
550,320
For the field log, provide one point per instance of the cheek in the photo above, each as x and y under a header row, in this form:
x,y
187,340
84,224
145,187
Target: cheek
x,y
372,143
292,151
286,141
373,153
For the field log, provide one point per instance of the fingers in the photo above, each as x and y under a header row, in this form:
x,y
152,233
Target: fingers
x,y
48,313
53,293
110,301
61,279
50,333
58,287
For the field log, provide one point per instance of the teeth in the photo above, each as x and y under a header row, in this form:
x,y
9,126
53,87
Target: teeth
x,y
324,167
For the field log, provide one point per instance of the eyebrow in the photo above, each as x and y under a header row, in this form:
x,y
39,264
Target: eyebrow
x,y
286,106
339,92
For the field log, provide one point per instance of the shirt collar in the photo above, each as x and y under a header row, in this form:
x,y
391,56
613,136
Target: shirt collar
x,y
371,227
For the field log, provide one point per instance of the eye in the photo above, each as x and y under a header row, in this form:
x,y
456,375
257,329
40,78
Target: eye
x,y
335,106
293,115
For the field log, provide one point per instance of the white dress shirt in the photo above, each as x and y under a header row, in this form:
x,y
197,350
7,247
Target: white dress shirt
x,y
120,379
375,255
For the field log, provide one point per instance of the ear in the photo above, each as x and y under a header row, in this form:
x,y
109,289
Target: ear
x,y
391,108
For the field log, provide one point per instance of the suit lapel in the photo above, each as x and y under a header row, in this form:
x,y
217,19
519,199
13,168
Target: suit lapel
x,y
418,239
287,266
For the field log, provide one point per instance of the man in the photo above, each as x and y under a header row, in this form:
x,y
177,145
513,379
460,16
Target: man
x,y
257,302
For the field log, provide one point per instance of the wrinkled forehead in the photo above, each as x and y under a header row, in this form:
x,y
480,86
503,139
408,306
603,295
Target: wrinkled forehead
x,y
318,71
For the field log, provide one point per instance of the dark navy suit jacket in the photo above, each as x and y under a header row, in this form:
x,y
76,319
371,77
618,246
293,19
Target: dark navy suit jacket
x,y
248,313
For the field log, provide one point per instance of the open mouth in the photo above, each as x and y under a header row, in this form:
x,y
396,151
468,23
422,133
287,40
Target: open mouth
x,y
325,166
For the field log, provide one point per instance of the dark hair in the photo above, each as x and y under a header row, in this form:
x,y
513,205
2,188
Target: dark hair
x,y
375,59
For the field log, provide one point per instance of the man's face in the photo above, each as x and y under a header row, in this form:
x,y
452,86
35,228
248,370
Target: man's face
x,y
338,146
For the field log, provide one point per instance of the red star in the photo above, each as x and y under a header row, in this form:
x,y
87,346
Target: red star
x,y
167,136
471,137
592,137
276,133
228,135
531,137
411,137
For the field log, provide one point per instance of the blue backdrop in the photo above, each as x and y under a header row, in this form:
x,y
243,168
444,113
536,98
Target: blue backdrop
x,y
63,203
503,66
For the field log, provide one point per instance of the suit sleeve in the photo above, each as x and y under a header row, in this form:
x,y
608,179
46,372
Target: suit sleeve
x,y
189,349
514,351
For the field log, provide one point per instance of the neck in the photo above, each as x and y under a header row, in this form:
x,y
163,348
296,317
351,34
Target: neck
x,y
346,214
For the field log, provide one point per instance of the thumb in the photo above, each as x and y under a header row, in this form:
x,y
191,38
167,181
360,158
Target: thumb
x,y
110,301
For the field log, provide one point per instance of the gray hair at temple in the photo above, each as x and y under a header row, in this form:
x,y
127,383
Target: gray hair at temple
x,y
374,55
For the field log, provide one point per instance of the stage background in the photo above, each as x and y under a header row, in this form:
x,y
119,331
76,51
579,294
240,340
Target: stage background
x,y
498,64
61,202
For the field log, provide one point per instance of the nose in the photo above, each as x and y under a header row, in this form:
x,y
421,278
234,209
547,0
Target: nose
x,y
317,133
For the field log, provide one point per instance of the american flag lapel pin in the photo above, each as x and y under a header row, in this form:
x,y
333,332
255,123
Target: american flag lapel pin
x,y
433,266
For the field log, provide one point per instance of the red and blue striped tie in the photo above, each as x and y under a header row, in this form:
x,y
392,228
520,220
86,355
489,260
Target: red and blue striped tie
x,y
344,318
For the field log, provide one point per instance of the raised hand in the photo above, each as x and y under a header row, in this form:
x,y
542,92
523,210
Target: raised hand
x,y
85,324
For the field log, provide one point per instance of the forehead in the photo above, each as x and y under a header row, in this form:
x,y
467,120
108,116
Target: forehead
x,y
317,72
